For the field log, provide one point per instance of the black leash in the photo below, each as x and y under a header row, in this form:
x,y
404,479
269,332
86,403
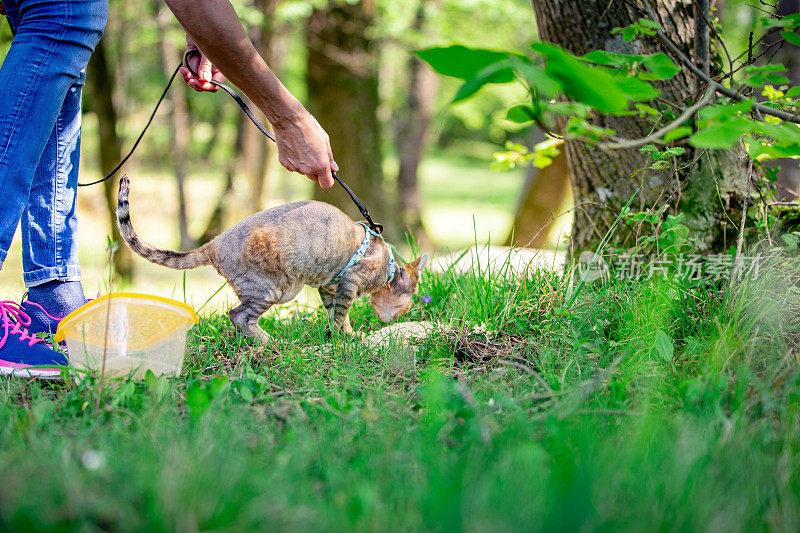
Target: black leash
x,y
378,228
138,139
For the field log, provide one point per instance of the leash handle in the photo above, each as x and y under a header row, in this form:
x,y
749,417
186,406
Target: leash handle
x,y
378,228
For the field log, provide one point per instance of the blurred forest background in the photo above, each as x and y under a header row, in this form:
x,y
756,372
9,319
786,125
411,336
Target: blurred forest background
x,y
423,166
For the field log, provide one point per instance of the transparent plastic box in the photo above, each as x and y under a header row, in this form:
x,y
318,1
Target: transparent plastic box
x,y
136,332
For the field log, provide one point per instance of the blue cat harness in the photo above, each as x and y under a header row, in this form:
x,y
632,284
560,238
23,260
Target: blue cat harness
x,y
362,250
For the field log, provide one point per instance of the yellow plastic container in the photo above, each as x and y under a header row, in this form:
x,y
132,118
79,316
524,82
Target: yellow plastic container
x,y
136,332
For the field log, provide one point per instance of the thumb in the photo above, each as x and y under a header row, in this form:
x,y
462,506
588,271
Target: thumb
x,y
204,71
334,166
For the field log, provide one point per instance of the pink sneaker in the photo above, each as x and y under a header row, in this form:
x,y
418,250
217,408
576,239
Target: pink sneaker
x,y
23,354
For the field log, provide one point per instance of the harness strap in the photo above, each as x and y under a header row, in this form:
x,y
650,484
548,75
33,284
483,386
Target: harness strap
x,y
362,249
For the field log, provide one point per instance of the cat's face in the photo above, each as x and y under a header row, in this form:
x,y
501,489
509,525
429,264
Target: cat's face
x,y
394,300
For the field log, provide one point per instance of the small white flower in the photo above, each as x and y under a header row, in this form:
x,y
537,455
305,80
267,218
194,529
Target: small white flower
x,y
93,460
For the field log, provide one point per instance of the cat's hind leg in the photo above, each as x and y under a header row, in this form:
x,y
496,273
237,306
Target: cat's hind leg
x,y
245,317
256,297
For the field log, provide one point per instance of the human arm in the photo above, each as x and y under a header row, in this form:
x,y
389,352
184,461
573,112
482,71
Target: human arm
x,y
303,146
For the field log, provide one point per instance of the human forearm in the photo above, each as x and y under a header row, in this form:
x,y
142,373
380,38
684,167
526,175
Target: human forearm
x,y
226,44
212,25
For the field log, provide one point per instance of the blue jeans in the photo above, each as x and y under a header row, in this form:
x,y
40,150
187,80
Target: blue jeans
x,y
41,81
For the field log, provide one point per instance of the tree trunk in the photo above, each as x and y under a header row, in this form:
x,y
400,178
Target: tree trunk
x,y
413,134
179,121
789,56
100,82
708,192
546,191
343,95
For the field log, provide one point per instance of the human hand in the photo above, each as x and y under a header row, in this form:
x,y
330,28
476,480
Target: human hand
x,y
304,147
204,69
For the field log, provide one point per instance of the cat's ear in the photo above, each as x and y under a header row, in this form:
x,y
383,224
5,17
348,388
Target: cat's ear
x,y
423,261
419,263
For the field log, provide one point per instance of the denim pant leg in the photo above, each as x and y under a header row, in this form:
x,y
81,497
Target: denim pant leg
x,y
49,222
52,44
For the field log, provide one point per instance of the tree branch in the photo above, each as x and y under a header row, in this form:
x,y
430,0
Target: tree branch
x,y
656,135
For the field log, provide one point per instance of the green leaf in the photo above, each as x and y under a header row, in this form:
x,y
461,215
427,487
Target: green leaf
x,y
722,135
590,85
643,27
197,399
725,111
763,150
661,67
758,76
156,385
537,77
678,133
522,114
791,37
568,108
784,133
465,63
645,109
613,59
219,385
664,346
788,22
794,91
649,148
494,73
635,89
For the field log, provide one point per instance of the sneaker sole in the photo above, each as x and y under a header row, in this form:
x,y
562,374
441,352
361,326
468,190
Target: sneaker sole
x,y
28,372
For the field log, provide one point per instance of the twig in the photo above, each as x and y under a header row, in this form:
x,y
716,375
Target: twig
x,y
635,143
528,370
783,115
111,250
740,240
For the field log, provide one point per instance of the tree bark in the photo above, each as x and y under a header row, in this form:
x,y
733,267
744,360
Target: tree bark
x,y
343,95
708,191
413,134
179,121
789,56
101,85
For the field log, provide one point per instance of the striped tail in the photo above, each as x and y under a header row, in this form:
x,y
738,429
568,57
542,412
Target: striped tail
x,y
167,258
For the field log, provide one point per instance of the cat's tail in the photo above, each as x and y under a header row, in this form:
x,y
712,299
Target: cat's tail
x,y
167,258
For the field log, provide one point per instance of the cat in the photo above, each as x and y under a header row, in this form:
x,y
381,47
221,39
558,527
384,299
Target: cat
x,y
268,257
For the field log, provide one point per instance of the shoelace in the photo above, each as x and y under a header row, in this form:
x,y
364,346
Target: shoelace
x,y
13,319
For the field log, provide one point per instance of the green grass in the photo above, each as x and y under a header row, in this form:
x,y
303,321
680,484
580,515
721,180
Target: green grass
x,y
534,416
